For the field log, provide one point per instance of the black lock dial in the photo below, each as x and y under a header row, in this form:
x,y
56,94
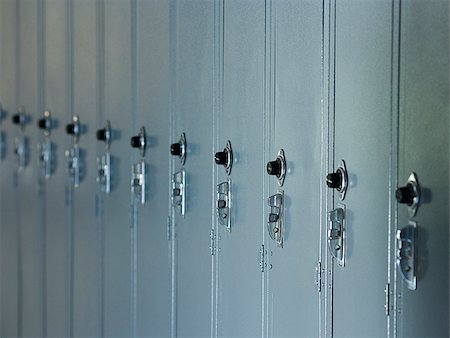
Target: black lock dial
x,y
221,158
135,141
405,195
175,149
274,167
101,134
19,118
334,180
70,129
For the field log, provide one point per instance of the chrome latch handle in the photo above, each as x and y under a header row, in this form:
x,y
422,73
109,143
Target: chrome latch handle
x,y
179,191
73,165
224,204
335,234
406,254
138,178
275,223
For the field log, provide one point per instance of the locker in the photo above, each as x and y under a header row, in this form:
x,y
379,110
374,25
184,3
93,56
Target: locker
x,y
192,109
240,129
152,104
114,105
57,232
29,224
294,115
423,135
86,309
360,125
10,258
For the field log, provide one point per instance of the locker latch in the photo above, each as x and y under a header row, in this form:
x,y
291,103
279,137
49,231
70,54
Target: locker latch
x,y
104,161
21,142
179,191
336,235
224,204
138,170
278,167
275,224
179,149
225,158
406,255
73,155
339,180
46,160
410,194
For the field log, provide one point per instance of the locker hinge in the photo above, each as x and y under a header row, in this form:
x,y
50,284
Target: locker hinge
x,y
387,304
212,247
319,276
262,258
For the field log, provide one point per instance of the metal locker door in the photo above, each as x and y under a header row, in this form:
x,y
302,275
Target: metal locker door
x,y
56,100
239,214
422,287
9,237
192,43
30,224
295,112
84,98
114,22
153,289
357,222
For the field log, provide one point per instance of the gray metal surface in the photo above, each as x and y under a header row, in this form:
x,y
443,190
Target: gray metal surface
x,y
192,111
296,102
362,119
423,148
239,277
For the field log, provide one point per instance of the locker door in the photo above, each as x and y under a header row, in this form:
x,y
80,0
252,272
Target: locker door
x,y
362,118
114,208
57,248
192,111
424,149
9,235
242,122
153,291
295,109
86,288
30,225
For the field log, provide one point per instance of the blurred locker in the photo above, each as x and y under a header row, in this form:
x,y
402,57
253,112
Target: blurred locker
x,y
192,114
240,169
114,24
421,248
293,246
359,166
57,234
81,186
10,249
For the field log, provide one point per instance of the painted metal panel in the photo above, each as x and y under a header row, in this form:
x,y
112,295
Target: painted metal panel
x,y
57,235
362,120
241,120
86,288
293,294
153,303
423,148
114,211
192,109
10,249
30,224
